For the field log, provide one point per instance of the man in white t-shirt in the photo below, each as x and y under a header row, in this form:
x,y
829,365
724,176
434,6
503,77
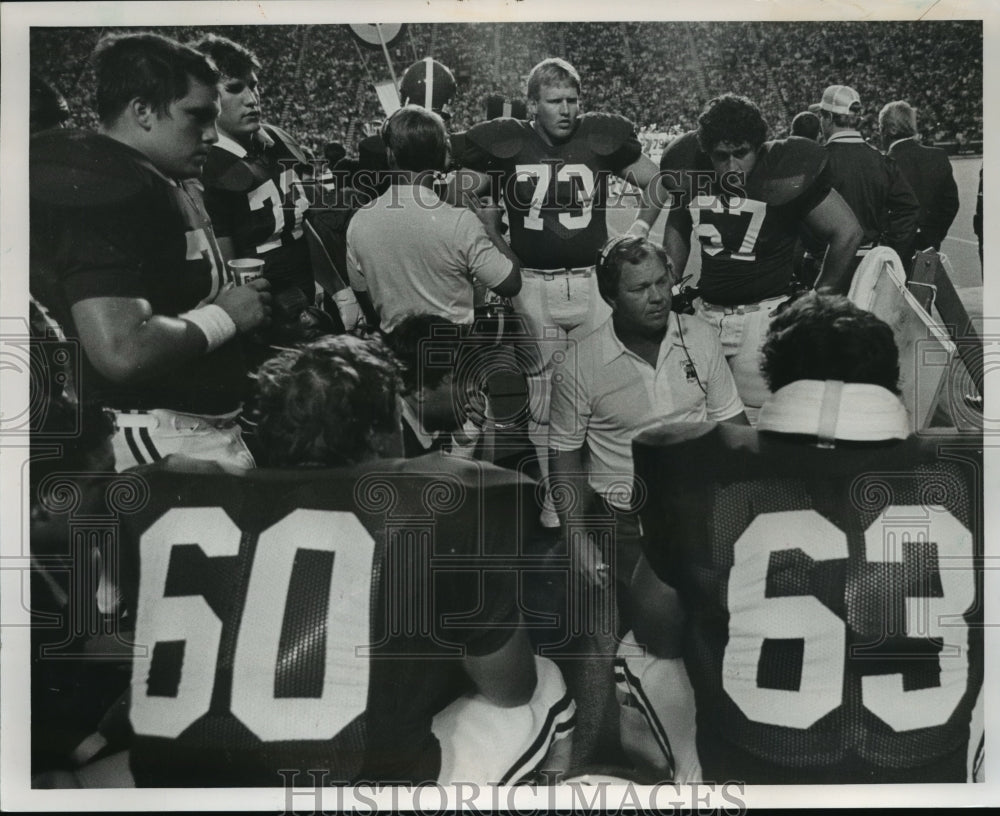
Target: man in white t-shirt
x,y
409,251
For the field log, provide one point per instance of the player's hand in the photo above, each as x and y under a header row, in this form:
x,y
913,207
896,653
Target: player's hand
x,y
249,305
474,407
590,566
489,213
350,310
639,228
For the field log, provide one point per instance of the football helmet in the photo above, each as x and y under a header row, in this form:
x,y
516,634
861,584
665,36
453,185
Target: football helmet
x,y
429,84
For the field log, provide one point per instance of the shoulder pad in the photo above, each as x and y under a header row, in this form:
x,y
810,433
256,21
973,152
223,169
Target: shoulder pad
x,y
289,143
79,168
787,168
501,138
224,171
605,132
683,153
680,157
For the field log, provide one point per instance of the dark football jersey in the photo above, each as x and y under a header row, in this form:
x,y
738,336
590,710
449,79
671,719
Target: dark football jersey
x,y
555,195
834,599
747,228
311,619
259,202
106,223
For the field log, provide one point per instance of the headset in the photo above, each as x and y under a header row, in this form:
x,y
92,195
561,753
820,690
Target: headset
x,y
678,304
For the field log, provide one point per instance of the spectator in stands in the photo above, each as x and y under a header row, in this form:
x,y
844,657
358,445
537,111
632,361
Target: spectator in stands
x,y
806,124
409,251
871,184
437,410
927,169
115,216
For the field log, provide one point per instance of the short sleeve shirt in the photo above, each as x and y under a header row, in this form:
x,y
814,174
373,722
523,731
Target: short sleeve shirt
x,y
603,395
414,253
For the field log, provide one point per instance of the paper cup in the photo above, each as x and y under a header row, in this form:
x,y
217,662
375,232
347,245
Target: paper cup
x,y
246,269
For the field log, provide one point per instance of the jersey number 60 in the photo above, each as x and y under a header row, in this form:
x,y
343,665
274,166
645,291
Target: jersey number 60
x,y
189,620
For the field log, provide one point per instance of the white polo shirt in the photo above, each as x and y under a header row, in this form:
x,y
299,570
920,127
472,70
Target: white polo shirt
x,y
603,395
414,253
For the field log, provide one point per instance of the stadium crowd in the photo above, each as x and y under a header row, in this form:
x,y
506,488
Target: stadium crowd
x,y
937,66
438,461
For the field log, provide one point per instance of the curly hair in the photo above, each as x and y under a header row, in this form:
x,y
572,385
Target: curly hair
x,y
322,405
428,346
624,249
731,118
827,337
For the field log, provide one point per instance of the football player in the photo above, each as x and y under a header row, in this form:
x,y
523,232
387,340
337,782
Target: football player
x,y
826,563
125,253
744,199
440,407
253,175
552,173
254,192
333,611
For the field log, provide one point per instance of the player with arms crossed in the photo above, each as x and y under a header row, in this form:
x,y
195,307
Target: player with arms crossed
x,y
552,173
826,563
330,611
744,199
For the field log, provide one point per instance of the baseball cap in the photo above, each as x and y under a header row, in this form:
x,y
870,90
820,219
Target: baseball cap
x,y
838,99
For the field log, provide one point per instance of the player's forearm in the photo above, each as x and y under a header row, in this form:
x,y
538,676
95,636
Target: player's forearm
x,y
496,237
645,218
836,274
149,349
677,244
568,477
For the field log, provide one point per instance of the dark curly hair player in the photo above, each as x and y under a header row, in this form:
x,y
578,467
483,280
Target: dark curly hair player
x,y
776,564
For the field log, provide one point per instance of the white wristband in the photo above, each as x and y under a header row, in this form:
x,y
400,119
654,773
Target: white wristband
x,y
639,228
214,322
